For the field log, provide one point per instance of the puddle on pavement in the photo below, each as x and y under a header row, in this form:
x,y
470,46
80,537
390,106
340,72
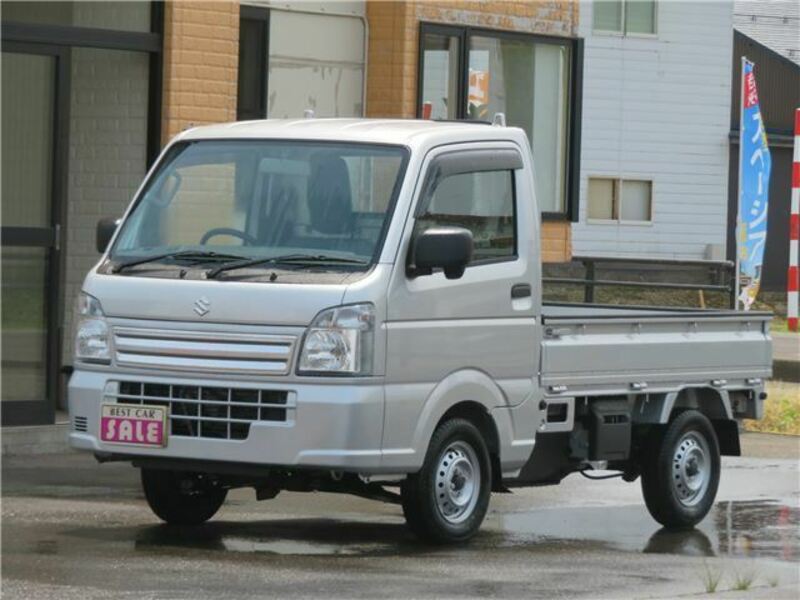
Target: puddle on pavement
x,y
307,537
758,529
743,529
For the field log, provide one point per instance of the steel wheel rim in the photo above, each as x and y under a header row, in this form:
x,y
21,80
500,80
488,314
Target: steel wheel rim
x,y
457,483
691,468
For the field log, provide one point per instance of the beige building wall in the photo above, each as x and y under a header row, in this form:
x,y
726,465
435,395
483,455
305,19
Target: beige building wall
x,y
201,60
393,61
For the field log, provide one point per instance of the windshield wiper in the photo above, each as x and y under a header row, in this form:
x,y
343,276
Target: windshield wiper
x,y
301,259
199,255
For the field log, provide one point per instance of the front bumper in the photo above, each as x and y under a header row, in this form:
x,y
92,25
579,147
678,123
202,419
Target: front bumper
x,y
328,425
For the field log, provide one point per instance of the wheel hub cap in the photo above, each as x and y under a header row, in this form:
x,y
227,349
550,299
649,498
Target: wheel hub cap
x,y
691,469
457,482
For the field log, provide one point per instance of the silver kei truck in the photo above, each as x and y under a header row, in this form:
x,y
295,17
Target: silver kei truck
x,y
355,306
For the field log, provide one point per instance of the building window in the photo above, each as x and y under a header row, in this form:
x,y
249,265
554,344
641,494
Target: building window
x,y
482,202
625,17
118,16
620,200
441,54
472,73
602,199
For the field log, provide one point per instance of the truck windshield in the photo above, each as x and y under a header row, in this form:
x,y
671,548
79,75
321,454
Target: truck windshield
x,y
264,199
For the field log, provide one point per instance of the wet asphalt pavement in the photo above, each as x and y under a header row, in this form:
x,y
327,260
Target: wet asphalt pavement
x,y
74,529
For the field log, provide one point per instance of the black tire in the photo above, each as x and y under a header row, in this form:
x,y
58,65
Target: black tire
x,y
181,498
681,469
419,491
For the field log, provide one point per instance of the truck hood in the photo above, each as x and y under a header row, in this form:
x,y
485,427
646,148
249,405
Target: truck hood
x,y
213,301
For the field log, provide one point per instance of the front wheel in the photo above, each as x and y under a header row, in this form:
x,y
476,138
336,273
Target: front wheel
x,y
446,501
681,470
181,498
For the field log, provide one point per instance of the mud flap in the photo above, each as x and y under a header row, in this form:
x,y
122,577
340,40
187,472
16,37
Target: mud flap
x,y
727,431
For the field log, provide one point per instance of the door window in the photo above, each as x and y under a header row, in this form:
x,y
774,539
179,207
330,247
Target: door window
x,y
481,201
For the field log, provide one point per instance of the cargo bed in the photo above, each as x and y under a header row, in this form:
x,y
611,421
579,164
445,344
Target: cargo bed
x,y
588,349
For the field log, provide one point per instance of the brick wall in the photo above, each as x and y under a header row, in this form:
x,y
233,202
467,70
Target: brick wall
x,y
201,57
393,60
556,241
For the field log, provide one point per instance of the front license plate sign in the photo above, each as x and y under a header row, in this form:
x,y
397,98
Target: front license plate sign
x,y
140,425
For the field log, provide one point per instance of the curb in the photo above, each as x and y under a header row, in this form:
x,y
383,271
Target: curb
x,y
37,439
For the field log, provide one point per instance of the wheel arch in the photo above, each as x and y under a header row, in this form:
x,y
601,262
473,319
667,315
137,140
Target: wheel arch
x,y
714,404
471,395
477,414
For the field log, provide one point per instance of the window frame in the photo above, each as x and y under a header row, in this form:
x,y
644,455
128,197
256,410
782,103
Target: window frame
x,y
574,101
262,16
623,32
512,167
616,201
149,42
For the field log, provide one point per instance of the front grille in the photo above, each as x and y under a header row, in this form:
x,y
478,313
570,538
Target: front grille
x,y
80,424
203,351
208,411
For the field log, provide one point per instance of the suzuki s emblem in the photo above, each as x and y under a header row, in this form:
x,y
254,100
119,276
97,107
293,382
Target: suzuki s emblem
x,y
201,306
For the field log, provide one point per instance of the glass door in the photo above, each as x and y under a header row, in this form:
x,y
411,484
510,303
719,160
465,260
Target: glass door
x,y
33,115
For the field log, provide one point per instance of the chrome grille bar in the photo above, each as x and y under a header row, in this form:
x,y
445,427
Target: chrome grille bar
x,y
206,351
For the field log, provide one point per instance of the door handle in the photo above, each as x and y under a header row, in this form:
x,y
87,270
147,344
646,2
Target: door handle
x,y
520,290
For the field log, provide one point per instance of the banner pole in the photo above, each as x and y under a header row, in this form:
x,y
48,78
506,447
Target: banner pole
x,y
738,232
793,275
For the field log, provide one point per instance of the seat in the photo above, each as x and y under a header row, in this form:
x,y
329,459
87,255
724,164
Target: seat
x,y
329,196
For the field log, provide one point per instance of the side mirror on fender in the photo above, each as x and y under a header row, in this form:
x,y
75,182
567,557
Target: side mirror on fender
x,y
446,248
105,231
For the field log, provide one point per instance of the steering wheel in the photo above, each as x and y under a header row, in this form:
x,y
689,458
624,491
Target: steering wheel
x,y
248,239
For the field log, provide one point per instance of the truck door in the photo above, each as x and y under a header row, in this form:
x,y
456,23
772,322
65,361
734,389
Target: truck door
x,y
484,322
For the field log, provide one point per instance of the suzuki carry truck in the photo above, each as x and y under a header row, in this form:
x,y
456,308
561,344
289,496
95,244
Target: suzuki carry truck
x,y
352,305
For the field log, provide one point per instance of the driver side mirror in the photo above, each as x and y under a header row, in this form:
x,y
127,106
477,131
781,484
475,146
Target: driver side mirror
x,y
446,248
105,231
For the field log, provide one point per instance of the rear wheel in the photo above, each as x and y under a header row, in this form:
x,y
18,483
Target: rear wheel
x,y
447,499
180,498
680,475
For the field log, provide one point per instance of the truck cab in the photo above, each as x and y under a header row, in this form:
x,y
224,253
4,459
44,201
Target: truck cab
x,y
355,306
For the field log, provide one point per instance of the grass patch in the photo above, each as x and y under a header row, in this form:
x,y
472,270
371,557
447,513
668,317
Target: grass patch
x,y
743,580
710,576
781,410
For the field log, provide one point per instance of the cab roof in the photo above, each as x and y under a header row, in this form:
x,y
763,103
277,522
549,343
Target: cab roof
x,y
405,132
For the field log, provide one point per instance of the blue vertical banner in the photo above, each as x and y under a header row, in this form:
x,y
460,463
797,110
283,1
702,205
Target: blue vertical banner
x,y
754,168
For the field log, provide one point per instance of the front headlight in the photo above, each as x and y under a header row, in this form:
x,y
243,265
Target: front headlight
x,y
91,331
339,340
